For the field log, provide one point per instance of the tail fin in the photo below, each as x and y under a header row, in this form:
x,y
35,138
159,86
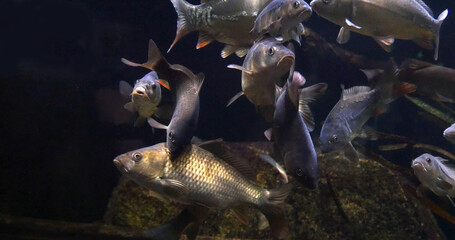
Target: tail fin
x,y
307,95
440,19
389,85
155,58
275,212
184,26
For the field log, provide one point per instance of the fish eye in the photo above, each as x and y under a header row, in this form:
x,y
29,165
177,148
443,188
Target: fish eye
x,y
137,81
326,1
153,86
333,139
296,4
271,51
137,156
428,160
299,172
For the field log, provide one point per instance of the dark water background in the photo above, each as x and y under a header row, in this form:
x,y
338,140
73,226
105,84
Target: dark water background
x,y
60,71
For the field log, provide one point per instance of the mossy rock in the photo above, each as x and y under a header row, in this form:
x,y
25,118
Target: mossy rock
x,y
353,201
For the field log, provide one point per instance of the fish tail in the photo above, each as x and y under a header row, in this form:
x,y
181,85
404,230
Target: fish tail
x,y
440,19
274,210
155,58
184,23
308,95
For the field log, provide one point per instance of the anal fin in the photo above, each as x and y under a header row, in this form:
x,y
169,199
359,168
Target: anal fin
x,y
204,40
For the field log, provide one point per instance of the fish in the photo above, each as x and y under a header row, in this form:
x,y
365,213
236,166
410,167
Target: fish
x,y
188,220
434,81
449,133
384,21
282,19
185,87
266,62
434,174
358,104
145,96
207,176
291,137
226,21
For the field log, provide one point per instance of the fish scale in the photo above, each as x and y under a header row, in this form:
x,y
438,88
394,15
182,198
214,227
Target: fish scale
x,y
216,180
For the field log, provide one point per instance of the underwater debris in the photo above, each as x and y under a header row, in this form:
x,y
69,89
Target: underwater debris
x,y
430,109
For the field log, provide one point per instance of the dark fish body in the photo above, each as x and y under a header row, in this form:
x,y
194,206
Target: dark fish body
x,y
436,82
449,133
226,21
434,174
355,107
291,136
145,96
185,87
266,62
198,177
383,20
282,19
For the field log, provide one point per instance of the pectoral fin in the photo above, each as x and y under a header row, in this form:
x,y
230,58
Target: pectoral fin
x,y
343,35
351,24
125,89
350,153
234,98
204,40
277,166
241,212
174,188
241,68
140,121
268,134
164,83
130,107
153,123
442,184
385,42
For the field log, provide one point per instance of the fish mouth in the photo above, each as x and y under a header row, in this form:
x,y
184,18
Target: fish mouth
x,y
418,165
288,59
139,91
120,166
305,14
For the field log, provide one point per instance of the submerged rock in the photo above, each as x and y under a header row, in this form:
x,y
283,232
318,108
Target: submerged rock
x,y
353,201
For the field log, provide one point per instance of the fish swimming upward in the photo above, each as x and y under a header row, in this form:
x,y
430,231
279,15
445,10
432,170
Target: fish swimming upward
x,y
226,21
449,133
145,96
356,105
291,136
435,174
266,62
209,178
185,87
282,19
384,20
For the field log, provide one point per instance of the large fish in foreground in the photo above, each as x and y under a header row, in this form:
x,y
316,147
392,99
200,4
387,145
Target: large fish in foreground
x,y
203,178
185,87
434,174
291,136
356,105
282,19
226,21
384,20
145,96
449,133
266,62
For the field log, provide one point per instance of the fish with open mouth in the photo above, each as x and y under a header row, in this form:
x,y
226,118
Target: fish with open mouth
x,y
435,174
185,87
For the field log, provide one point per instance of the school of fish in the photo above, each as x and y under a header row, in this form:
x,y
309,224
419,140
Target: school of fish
x,y
205,177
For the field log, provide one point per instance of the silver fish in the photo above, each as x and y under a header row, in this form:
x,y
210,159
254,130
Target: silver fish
x,y
356,105
435,175
203,178
185,87
282,18
145,96
226,21
384,20
449,133
291,136
266,62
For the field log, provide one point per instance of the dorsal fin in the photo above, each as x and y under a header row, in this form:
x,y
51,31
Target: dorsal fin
x,y
354,91
424,5
216,148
